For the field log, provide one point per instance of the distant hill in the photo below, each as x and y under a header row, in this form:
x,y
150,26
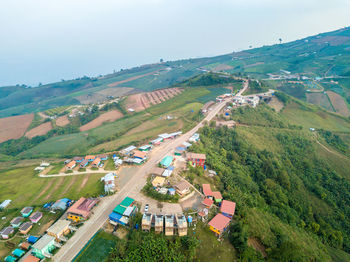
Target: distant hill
x,y
323,55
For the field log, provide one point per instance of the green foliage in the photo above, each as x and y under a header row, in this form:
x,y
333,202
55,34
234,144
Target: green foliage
x,y
282,97
148,190
333,140
141,246
210,79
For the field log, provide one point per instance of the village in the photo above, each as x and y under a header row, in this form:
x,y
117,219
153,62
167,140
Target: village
x,y
166,198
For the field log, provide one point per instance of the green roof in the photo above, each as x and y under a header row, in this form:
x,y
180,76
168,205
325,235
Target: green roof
x,y
127,202
18,252
119,209
166,161
10,259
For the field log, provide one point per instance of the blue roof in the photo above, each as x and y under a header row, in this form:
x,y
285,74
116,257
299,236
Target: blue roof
x,y
32,239
115,216
180,148
189,218
10,259
171,189
18,252
170,168
66,200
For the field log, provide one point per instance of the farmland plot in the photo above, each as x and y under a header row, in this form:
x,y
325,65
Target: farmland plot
x,y
14,127
39,130
106,117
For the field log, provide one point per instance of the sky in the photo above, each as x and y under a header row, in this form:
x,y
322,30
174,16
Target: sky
x,y
49,40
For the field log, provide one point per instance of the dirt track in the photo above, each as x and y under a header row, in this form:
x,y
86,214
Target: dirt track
x,y
14,127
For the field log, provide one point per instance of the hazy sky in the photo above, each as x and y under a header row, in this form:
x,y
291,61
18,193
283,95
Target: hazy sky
x,y
49,40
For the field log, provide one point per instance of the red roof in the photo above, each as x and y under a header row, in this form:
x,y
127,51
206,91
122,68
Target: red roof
x,y
228,207
219,222
207,202
82,207
96,161
207,190
217,195
140,154
191,155
31,258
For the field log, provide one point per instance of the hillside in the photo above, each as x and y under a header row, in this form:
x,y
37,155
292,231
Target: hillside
x,y
324,56
291,185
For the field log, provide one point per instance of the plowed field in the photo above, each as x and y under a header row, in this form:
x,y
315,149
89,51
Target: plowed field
x,y
14,127
106,117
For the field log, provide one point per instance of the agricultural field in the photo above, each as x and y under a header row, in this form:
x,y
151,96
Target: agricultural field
x,y
62,121
14,127
320,99
338,103
40,130
35,191
105,117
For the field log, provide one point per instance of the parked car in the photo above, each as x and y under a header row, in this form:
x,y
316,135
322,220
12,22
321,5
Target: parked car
x,y
146,208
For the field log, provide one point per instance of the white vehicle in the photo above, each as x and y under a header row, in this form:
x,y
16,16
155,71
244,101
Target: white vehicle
x,y
146,208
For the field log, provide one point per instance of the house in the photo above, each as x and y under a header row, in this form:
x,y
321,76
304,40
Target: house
x,y
7,232
109,182
182,188
140,154
25,227
96,162
122,212
44,164
16,222
24,246
194,138
145,148
158,223
138,161
32,239
186,144
181,224
71,165
163,190
39,168
115,218
164,136
30,258
103,157
67,161
90,158
212,173
171,191
127,151
59,229
158,181
219,224
196,159
44,246
158,171
10,259
5,203
146,222
81,209
26,211
207,191
35,217
217,197
207,202
129,211
228,208
84,163
166,161
128,201
78,159
169,225
167,172
18,252
203,215
156,141
61,204
179,150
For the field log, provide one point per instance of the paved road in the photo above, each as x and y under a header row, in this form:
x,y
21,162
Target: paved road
x,y
69,250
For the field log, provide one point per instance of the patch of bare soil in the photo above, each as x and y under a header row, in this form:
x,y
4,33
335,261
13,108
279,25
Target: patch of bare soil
x,y
62,121
130,79
57,185
39,130
85,180
45,227
338,103
105,117
276,104
222,67
14,127
255,243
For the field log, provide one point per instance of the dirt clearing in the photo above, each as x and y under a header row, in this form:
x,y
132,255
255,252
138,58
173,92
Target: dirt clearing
x,y
14,127
276,104
39,130
106,117
62,121
338,103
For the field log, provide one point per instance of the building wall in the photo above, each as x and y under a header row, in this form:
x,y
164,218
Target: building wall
x,y
215,230
75,218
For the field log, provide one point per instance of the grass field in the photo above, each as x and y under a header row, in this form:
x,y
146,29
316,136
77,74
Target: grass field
x,y
98,249
24,187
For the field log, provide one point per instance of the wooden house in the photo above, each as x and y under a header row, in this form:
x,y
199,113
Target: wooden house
x,y
217,197
158,223
146,222
181,224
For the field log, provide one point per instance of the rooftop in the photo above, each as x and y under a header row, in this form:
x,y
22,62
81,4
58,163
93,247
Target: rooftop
x,y
157,171
217,195
16,220
59,227
43,242
7,231
183,185
159,220
83,206
140,154
158,180
96,161
119,209
181,221
219,222
166,161
228,207
208,202
25,226
191,155
30,258
27,210
127,202
71,164
207,190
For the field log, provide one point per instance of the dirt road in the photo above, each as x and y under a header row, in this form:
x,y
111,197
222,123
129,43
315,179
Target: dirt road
x,y
132,188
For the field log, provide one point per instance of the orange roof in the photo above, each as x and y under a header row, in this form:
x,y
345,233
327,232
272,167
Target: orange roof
x,y
217,195
90,157
82,207
228,207
207,190
140,154
208,202
190,155
219,222
96,161
71,164
31,258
